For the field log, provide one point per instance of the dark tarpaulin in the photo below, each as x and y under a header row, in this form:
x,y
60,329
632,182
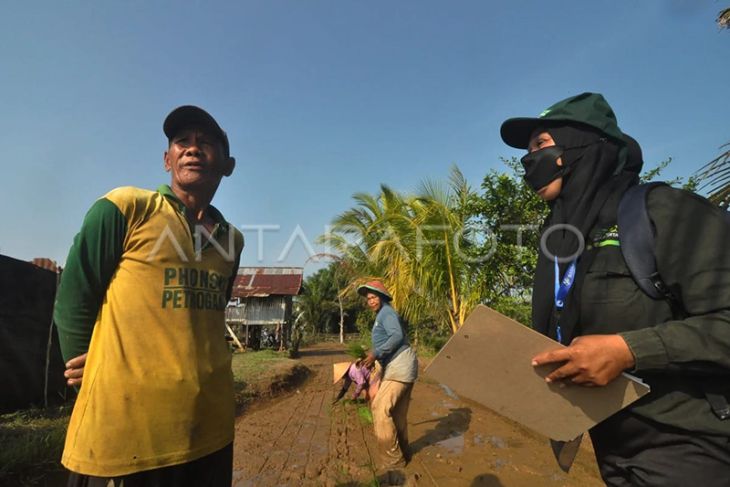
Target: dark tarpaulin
x,y
26,356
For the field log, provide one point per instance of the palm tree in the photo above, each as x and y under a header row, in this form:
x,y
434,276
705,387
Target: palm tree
x,y
377,239
413,244
444,265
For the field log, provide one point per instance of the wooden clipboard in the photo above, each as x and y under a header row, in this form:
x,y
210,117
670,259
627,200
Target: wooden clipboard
x,y
489,361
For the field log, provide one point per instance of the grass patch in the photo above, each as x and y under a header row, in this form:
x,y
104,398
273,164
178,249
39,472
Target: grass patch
x,y
32,442
365,415
362,410
263,374
247,365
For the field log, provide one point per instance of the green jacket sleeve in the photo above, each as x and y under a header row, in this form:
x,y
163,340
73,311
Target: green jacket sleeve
x,y
91,262
692,242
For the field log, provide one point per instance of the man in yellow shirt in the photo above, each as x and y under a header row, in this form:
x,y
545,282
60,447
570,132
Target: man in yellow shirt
x,y
144,290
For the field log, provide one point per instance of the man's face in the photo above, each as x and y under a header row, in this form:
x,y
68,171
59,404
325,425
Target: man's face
x,y
373,301
196,160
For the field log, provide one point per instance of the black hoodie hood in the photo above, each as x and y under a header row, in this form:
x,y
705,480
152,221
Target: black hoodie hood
x,y
591,189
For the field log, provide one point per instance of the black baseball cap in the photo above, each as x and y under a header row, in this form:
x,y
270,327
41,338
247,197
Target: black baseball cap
x,y
590,109
189,115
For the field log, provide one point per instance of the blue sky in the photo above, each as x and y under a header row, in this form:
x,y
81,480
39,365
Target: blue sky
x,y
322,99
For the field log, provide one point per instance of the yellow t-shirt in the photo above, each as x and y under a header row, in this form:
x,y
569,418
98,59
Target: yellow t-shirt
x,y
157,387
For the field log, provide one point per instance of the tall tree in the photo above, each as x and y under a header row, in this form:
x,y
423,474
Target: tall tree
x,y
446,248
509,214
316,304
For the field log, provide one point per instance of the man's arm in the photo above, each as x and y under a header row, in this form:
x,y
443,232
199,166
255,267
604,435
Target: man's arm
x,y
91,263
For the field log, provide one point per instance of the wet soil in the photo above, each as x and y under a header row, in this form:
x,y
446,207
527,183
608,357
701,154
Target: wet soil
x,y
300,438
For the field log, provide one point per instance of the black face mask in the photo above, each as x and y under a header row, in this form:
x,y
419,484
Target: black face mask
x,y
541,166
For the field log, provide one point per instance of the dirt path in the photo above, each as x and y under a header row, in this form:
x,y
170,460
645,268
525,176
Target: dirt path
x,y
300,439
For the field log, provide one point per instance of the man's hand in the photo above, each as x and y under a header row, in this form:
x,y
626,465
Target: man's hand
x,y
591,360
44,263
369,360
75,370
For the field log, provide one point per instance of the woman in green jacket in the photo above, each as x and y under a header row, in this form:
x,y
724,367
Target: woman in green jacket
x,y
579,162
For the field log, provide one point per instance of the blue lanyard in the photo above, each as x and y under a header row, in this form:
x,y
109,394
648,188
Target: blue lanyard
x,y
562,287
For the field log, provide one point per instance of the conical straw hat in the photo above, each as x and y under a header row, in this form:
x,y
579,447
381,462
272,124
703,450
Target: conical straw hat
x,y
339,370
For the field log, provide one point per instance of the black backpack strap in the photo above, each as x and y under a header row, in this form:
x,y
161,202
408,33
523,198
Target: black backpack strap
x,y
636,233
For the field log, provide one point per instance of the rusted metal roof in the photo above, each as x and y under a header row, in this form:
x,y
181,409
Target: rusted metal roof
x,y
268,281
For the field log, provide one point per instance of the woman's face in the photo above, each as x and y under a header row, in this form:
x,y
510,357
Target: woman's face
x,y
540,140
373,301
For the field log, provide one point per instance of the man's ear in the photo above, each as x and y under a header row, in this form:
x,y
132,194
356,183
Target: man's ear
x,y
166,162
229,166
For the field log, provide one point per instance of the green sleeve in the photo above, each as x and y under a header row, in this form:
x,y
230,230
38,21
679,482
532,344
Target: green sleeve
x,y
692,257
91,262
236,263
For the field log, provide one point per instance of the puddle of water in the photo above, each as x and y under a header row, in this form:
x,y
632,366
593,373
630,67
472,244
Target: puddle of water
x,y
454,444
448,391
499,463
497,442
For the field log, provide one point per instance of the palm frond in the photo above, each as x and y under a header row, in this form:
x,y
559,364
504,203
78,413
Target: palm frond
x,y
715,178
723,19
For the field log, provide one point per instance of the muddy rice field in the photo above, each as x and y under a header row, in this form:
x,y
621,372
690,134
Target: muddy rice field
x,y
300,438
